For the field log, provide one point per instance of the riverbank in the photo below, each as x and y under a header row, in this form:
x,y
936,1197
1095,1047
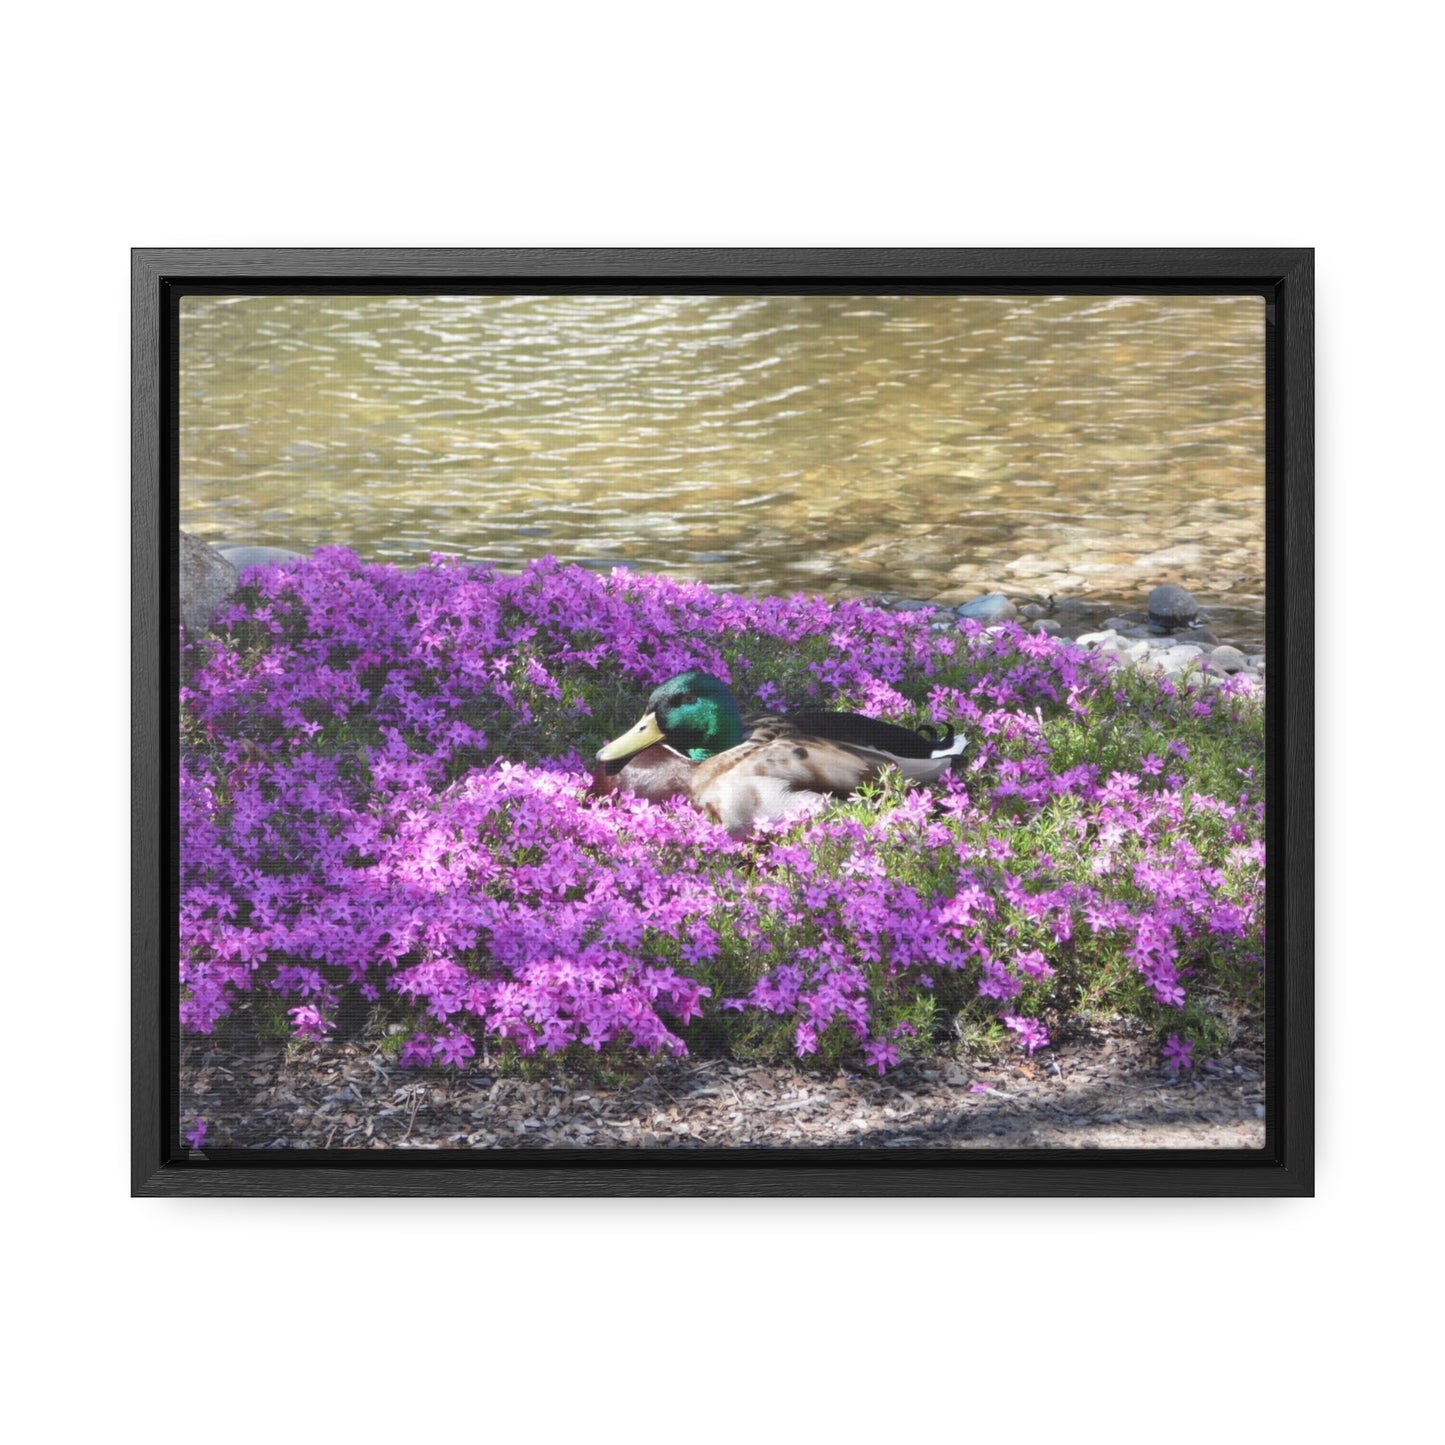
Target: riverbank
x,y
1173,640
1170,632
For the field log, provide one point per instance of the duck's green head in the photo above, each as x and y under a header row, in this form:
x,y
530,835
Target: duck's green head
x,y
693,712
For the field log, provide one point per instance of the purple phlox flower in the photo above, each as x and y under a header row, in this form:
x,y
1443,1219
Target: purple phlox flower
x,y
880,1053
416,1053
454,1049
485,893
1177,1053
197,1137
1169,993
1034,964
997,982
310,1021
1032,1034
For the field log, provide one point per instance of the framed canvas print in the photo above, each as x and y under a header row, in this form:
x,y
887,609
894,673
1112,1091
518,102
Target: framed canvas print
x,y
737,722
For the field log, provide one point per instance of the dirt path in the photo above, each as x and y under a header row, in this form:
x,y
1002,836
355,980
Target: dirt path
x,y
1104,1091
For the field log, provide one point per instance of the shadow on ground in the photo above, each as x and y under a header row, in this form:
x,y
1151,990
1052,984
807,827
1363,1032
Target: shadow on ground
x,y
1096,1091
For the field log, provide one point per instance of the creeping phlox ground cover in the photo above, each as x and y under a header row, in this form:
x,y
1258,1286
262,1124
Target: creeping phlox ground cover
x,y
384,812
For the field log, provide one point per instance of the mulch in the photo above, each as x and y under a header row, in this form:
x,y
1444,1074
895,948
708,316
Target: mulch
x,y
1102,1089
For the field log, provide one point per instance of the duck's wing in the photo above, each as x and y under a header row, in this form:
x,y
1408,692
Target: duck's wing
x,y
875,735
922,753
773,773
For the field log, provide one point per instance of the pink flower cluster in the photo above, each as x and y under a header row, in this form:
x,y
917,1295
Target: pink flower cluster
x,y
356,814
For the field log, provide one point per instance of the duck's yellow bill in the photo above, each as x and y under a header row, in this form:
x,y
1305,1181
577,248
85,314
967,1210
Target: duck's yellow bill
x,y
633,740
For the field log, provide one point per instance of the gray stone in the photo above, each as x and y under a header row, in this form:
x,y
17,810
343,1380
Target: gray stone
x,y
207,580
1031,611
1171,607
1174,660
1227,659
1109,639
242,557
1202,635
1119,624
992,607
1047,624
907,604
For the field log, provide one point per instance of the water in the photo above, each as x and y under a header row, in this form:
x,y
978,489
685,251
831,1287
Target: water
x,y
931,446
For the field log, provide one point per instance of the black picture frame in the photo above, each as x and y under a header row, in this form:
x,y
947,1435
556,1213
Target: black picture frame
x,y
1285,1167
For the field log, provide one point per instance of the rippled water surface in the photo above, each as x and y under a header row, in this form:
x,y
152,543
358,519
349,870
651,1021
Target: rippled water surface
x,y
931,446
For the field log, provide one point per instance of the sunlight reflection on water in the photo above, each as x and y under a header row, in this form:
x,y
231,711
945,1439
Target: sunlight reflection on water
x,y
926,445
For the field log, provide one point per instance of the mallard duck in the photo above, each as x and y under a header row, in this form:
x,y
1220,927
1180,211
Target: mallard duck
x,y
692,742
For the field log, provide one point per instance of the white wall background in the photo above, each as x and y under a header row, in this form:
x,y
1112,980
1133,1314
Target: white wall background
x,y
750,124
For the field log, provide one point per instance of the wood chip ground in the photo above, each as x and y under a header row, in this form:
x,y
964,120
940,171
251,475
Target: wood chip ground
x,y
1098,1091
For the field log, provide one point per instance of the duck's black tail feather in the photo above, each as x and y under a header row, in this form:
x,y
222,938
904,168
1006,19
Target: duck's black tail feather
x,y
866,732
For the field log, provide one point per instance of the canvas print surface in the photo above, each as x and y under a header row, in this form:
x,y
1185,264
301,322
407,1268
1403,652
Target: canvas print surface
x,y
722,721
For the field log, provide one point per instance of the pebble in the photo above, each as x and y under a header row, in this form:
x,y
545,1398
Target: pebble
x,y
1201,635
990,608
1171,607
1195,650
242,557
1109,640
1174,660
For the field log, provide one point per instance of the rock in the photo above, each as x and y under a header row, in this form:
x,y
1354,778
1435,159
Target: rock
x,y
1227,659
1174,660
242,557
1108,638
1071,607
1202,635
992,607
207,580
1171,607
907,604
1119,624
1031,611
1047,624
